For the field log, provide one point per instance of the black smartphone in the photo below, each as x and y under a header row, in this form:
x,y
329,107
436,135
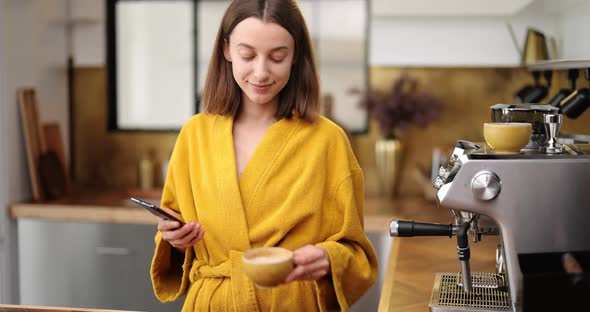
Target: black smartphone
x,y
155,210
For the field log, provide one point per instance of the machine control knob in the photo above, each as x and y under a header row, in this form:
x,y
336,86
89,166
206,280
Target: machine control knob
x,y
486,185
438,183
443,173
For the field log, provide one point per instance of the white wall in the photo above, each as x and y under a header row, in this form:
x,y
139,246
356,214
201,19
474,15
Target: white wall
x,y
88,32
5,281
32,53
572,23
448,40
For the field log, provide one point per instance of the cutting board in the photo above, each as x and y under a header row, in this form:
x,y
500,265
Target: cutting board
x,y
33,135
51,172
55,145
45,150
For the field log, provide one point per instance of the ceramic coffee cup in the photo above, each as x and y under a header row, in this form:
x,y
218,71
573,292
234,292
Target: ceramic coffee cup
x,y
507,137
267,266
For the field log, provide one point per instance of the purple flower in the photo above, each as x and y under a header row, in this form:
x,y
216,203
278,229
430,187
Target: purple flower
x,y
401,107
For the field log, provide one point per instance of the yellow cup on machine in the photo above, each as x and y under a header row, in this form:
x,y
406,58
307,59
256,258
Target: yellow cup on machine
x,y
507,137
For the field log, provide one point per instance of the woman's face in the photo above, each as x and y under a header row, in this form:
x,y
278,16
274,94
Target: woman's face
x,y
261,54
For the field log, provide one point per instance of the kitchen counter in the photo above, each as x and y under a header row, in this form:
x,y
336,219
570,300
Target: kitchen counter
x,y
90,206
115,207
28,308
409,271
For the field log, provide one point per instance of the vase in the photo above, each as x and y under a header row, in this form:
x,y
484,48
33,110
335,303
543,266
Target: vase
x,y
388,161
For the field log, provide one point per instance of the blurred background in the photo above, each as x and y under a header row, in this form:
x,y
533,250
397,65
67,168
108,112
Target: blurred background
x,y
120,77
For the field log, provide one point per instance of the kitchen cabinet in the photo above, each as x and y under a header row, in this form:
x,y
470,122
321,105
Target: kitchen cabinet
x,y
94,251
455,7
106,266
559,65
87,265
430,33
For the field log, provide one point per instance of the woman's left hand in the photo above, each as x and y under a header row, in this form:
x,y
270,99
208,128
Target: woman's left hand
x,y
311,263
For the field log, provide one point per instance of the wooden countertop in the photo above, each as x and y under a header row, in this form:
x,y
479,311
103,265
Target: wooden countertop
x,y
101,207
413,261
27,308
115,207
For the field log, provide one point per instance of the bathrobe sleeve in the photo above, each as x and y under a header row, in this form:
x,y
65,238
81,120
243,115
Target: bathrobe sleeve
x,y
170,268
352,258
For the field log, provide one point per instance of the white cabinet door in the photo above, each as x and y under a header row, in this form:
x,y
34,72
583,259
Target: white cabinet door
x,y
447,7
87,265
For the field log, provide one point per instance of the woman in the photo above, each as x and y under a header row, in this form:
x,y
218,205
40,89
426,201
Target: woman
x,y
260,168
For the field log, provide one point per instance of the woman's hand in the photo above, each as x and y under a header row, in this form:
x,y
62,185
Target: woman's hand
x,y
311,263
180,237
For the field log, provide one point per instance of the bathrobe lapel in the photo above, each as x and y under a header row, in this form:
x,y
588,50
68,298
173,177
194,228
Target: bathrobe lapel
x,y
264,158
230,200
238,196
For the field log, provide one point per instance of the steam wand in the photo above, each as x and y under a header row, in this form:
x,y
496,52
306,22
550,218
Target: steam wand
x,y
464,254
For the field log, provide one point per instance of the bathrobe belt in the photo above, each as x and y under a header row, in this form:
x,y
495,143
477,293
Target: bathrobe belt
x,y
200,269
242,287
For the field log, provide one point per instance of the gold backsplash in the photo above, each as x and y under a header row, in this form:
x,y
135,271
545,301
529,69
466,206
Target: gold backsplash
x,y
110,159
105,159
468,93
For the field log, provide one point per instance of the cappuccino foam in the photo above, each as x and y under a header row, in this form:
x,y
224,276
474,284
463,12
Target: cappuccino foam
x,y
266,259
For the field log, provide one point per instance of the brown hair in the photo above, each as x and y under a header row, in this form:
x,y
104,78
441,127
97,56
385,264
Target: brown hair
x,y
300,96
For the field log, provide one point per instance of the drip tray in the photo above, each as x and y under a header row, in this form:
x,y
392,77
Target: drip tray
x,y
448,295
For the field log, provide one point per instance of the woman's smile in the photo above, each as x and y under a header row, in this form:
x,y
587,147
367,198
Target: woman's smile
x,y
260,88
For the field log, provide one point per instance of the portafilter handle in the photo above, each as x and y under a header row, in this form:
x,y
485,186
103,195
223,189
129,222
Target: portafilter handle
x,y
399,228
552,127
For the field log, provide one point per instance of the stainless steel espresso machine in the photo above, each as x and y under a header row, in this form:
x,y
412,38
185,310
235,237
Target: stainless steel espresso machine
x,y
538,201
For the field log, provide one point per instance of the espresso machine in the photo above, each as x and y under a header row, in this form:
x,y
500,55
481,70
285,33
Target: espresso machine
x,y
537,200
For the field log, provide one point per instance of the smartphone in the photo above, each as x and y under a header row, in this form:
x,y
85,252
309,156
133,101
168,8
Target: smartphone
x,y
155,210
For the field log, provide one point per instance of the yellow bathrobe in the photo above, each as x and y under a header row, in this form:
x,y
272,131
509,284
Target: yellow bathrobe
x,y
301,186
